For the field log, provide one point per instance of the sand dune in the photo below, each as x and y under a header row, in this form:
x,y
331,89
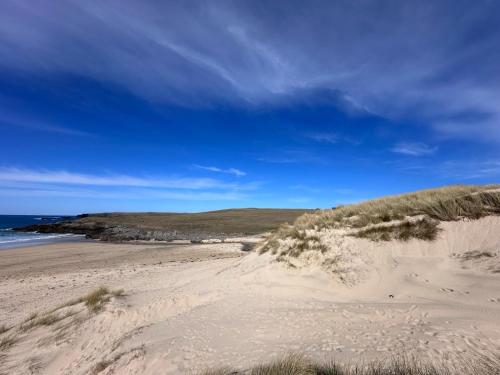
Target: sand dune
x,y
189,307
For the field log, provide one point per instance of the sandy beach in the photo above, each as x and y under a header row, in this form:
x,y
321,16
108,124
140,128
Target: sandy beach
x,y
188,307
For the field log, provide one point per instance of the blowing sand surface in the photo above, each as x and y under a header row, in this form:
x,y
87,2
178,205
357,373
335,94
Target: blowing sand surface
x,y
189,307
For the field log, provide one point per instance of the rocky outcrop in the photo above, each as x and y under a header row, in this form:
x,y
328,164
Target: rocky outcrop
x,y
91,230
96,230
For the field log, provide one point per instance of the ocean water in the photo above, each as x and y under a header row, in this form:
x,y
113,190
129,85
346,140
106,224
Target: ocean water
x,y
12,239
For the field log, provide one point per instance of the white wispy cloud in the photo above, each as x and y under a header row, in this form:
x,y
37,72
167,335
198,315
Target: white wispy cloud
x,y
227,51
233,171
469,169
36,125
293,156
65,177
414,149
17,182
452,169
141,194
331,138
324,137
279,160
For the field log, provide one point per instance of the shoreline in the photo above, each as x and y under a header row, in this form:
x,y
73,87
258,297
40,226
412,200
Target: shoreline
x,y
28,242
55,238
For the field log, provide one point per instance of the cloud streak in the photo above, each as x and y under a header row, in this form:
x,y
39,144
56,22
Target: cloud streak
x,y
453,170
234,171
398,60
71,178
60,192
293,156
35,125
414,149
17,182
324,137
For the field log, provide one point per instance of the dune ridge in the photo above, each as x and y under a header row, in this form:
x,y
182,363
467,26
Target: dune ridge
x,y
345,240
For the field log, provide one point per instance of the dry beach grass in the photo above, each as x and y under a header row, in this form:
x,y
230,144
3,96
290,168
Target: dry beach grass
x,y
56,320
401,217
397,365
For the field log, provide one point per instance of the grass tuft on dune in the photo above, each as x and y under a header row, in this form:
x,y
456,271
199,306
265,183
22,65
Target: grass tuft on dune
x,y
445,204
96,300
45,320
4,328
400,217
300,365
7,342
423,229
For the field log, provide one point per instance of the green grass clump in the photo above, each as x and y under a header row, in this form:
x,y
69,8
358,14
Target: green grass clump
x,y
446,204
422,229
291,365
299,365
303,241
96,300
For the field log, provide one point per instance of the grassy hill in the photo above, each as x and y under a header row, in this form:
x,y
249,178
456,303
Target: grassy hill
x,y
231,221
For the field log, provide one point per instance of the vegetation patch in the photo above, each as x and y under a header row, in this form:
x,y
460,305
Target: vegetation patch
x,y
477,255
299,365
101,366
4,328
401,217
105,363
7,342
96,300
445,204
422,229
44,320
301,241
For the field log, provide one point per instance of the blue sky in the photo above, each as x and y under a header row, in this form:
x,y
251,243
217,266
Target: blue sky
x,y
200,105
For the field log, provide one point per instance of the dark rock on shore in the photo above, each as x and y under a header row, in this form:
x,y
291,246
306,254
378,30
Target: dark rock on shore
x,y
121,233
91,230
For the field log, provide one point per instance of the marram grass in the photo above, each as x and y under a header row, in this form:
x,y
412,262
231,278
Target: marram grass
x,y
476,364
399,217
